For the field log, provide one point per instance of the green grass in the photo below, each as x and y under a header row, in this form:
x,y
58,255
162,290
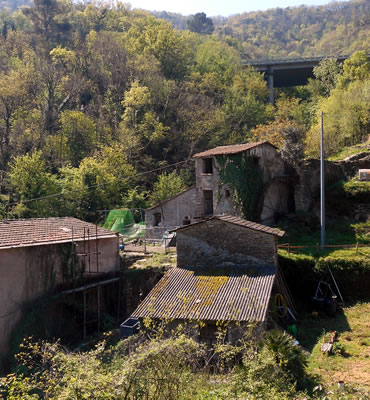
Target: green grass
x,y
351,361
339,233
355,187
157,260
343,200
349,151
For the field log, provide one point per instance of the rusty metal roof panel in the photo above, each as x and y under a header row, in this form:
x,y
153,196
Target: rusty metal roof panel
x,y
41,231
238,293
238,221
232,149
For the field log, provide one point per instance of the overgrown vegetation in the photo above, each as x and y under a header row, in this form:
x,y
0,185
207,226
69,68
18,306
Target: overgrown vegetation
x,y
179,368
93,96
160,368
244,178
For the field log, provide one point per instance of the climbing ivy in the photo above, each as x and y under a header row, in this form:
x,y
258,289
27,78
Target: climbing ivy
x,y
244,178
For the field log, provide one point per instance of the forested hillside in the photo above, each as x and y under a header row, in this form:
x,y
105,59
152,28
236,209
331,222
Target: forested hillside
x,y
92,98
336,28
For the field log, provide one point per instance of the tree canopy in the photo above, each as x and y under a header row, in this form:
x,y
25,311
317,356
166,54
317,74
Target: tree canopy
x,y
92,96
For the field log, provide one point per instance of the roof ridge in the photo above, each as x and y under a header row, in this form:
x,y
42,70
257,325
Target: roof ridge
x,y
232,219
232,149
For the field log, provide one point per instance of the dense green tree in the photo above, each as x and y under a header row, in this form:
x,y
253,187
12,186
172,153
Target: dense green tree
x,y
286,135
168,46
200,23
326,74
77,138
166,186
29,179
346,119
246,105
217,58
13,92
355,68
97,184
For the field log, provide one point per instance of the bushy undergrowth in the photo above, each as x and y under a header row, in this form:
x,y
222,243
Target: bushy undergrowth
x,y
351,270
159,369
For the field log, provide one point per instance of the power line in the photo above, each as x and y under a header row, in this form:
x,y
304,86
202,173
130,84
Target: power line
x,y
96,185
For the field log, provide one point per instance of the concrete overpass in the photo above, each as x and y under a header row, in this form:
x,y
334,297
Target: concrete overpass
x,y
288,72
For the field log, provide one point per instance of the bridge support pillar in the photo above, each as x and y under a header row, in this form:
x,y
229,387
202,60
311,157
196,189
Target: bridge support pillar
x,y
270,84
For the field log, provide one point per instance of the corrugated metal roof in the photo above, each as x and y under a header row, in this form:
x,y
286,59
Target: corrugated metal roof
x,y
238,221
232,149
237,293
40,231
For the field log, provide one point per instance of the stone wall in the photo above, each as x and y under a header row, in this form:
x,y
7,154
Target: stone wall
x,y
172,213
214,243
28,273
272,165
351,165
308,187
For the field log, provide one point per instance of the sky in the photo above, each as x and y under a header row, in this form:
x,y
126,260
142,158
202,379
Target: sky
x,y
218,7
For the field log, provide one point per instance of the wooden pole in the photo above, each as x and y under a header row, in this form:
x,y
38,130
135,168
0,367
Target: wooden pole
x,y
98,308
84,314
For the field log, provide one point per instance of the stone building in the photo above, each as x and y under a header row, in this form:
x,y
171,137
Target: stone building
x,y
226,272
211,197
170,213
39,255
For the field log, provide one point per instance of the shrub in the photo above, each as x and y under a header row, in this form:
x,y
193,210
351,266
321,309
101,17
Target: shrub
x,y
287,355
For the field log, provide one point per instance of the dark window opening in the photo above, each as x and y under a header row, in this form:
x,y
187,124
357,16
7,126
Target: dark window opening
x,y
227,193
207,165
186,220
208,335
255,161
157,218
208,202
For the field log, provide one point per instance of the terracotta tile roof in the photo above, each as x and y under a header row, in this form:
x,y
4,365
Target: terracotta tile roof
x,y
240,222
40,231
232,149
239,293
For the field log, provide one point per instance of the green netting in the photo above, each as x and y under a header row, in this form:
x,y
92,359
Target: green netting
x,y
123,218
123,221
136,231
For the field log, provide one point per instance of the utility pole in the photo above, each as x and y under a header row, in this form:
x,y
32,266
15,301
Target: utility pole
x,y
322,181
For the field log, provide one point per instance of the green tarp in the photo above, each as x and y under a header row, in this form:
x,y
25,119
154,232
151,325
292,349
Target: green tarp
x,y
123,221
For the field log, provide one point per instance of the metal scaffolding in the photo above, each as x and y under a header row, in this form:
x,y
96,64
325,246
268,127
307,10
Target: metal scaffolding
x,y
88,254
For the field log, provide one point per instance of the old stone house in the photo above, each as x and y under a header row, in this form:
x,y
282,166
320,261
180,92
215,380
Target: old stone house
x,y
38,255
226,271
211,196
171,213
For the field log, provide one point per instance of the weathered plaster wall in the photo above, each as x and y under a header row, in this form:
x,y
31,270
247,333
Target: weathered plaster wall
x,y
215,242
173,212
28,273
